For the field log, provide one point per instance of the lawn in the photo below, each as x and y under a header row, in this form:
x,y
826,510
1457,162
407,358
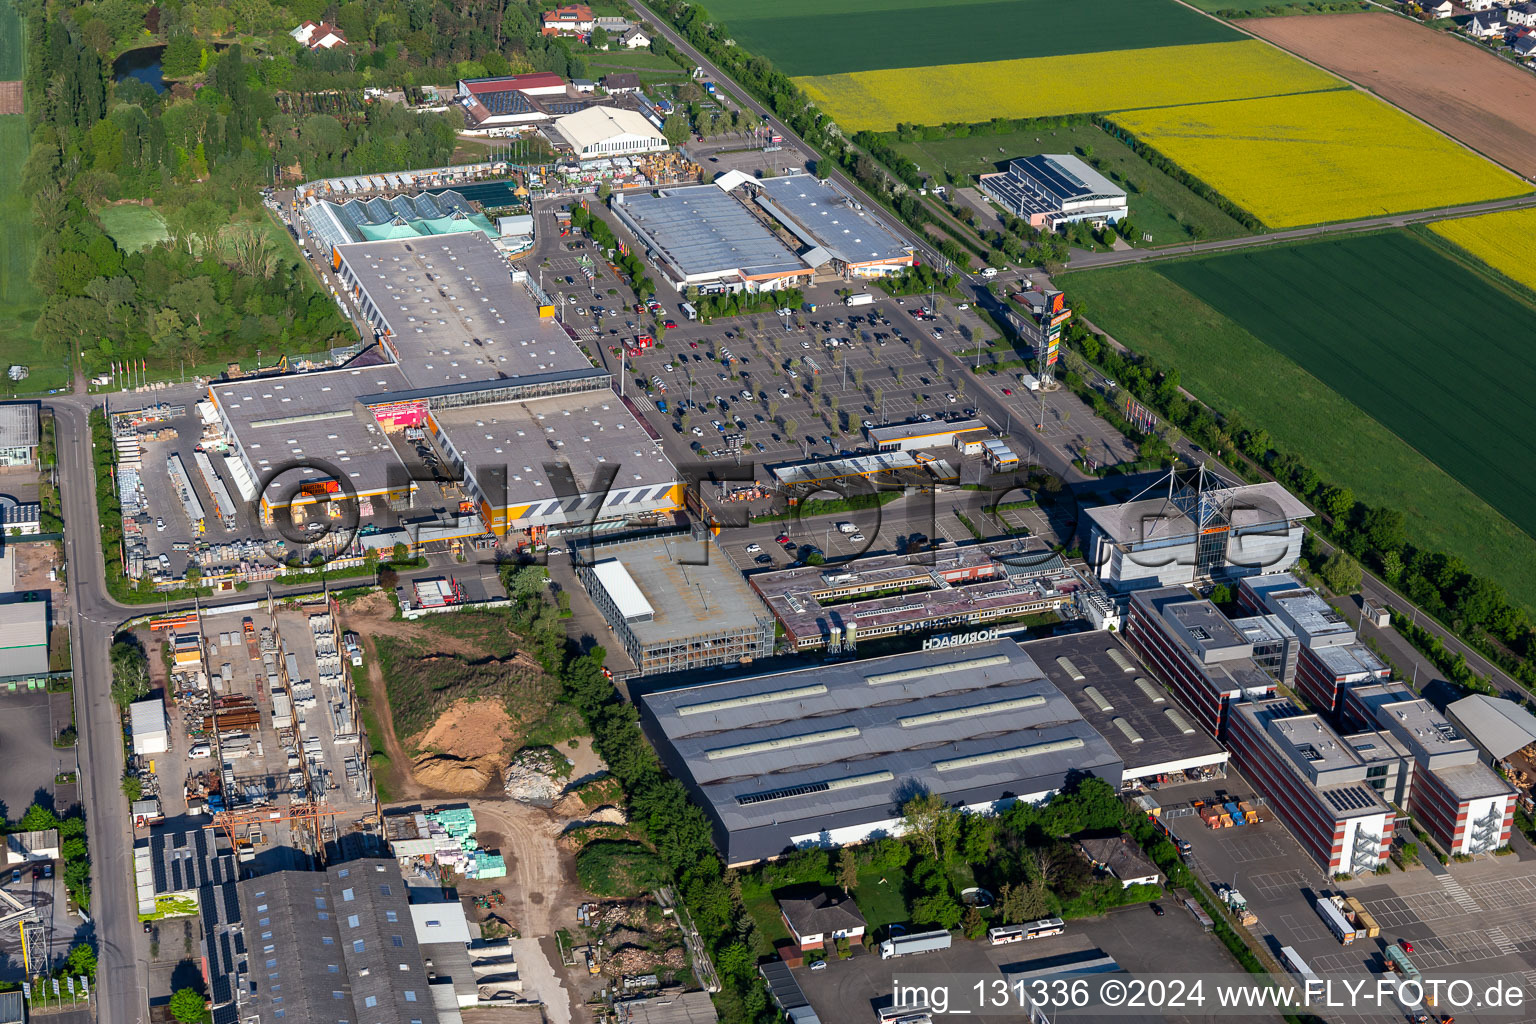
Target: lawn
x,y
1361,320
603,61
1063,84
1159,204
1319,157
879,901
867,35
132,227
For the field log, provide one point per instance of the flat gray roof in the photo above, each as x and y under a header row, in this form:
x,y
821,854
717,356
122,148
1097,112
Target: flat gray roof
x,y
686,599
314,415
18,424
1354,659
1149,520
588,431
1314,620
852,737
1156,736
820,213
454,313
941,431
702,230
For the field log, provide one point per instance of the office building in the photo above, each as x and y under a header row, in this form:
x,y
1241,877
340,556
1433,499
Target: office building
x,y
1316,782
1191,526
1464,804
1205,659
1054,189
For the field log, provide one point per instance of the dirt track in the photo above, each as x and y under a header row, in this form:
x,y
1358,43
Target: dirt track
x,y
1464,91
540,884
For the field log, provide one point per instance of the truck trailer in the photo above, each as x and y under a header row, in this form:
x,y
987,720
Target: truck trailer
x,y
861,299
918,942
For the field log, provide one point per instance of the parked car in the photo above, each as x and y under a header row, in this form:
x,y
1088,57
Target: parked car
x,y
753,549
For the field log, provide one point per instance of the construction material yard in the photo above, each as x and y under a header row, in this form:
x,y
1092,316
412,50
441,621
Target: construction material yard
x,y
1460,88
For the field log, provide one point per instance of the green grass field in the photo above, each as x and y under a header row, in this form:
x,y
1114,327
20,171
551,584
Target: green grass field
x,y
18,244
1159,204
803,38
132,227
617,58
12,41
1379,343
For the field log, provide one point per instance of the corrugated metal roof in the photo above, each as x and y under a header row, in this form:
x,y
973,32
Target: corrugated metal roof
x,y
1499,726
623,591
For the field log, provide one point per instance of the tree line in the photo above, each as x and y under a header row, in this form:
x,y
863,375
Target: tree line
x,y
1475,607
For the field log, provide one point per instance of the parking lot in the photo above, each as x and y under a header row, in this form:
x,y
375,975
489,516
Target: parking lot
x,y
1478,919
1139,941
30,719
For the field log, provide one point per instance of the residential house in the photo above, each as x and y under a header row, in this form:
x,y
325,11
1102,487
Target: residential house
x,y
1487,25
1478,6
584,85
1522,14
622,81
635,39
1122,858
822,919
1525,46
320,36
1438,8
569,20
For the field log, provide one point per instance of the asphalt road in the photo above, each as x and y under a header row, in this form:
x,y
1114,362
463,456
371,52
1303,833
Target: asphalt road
x,y
1088,260
122,995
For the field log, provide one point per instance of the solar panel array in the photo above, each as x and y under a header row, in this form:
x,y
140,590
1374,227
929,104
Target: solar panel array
x,y
505,102
1354,798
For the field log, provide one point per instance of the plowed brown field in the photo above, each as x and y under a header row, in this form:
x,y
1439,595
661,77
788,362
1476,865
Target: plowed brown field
x,y
1464,91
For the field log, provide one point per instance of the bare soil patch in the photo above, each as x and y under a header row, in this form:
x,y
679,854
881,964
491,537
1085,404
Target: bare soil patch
x,y
1464,91
10,98
471,729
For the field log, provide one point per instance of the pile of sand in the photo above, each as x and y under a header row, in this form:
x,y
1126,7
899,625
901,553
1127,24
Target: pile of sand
x,y
454,774
477,727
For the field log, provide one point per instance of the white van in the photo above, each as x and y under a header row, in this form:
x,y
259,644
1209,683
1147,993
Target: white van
x,y
200,750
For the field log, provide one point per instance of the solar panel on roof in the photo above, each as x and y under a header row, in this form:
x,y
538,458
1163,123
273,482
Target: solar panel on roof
x,y
505,102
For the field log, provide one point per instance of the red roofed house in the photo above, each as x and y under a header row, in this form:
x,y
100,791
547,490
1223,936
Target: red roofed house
x,y
319,37
569,20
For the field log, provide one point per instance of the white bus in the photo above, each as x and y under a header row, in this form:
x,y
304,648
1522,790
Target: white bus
x,y
689,311
1020,932
1296,965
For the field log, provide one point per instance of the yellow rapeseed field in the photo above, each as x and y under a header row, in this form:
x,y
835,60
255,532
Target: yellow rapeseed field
x,y
1044,86
1329,156
1501,240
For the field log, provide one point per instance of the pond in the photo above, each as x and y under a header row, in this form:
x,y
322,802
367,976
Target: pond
x,y
143,64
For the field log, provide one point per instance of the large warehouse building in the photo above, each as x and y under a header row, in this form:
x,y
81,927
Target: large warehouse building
x,y
828,754
1192,526
1156,742
837,229
534,433
700,237
674,603
599,132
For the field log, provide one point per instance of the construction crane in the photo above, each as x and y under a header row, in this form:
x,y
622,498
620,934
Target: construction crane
x,y
25,918
239,824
